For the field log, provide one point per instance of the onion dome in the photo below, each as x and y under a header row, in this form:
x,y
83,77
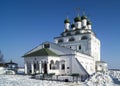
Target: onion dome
x,y
78,18
89,22
84,17
73,25
67,21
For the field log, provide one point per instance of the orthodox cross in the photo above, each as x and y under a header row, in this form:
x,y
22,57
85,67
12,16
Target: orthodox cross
x,y
78,11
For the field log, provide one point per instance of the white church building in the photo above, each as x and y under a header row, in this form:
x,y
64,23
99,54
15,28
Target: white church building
x,y
76,50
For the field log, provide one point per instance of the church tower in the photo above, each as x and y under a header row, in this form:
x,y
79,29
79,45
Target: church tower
x,y
80,37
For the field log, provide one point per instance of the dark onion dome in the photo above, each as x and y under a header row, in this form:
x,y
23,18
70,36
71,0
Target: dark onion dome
x,y
89,22
66,21
78,18
73,25
84,17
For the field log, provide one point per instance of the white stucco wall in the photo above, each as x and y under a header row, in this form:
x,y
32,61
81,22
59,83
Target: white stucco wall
x,y
30,60
95,48
87,62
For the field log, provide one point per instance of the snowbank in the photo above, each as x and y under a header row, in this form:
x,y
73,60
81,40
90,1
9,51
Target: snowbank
x,y
97,79
19,80
100,79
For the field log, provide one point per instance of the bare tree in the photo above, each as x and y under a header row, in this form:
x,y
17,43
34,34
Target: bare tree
x,y
1,57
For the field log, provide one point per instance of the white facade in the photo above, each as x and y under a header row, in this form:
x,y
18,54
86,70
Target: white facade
x,y
84,42
75,51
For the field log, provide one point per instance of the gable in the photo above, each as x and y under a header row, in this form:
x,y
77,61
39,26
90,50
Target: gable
x,y
49,49
41,52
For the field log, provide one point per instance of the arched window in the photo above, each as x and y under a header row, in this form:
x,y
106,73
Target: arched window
x,y
84,38
57,64
52,64
68,34
63,66
60,40
71,39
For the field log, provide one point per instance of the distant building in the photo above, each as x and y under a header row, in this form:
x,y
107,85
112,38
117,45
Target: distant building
x,y
76,50
11,66
101,66
8,68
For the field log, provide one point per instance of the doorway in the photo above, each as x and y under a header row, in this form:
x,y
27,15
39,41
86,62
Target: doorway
x,y
45,68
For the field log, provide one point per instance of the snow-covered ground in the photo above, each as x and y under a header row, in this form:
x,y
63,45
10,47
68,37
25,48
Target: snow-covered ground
x,y
20,80
97,79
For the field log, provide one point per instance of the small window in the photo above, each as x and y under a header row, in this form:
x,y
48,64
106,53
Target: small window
x,y
60,40
71,39
46,45
79,47
84,38
63,67
67,67
68,34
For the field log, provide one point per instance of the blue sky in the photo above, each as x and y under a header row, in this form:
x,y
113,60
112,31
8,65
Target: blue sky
x,y
24,24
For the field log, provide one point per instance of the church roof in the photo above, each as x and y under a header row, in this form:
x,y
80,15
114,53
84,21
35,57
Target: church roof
x,y
73,25
41,52
78,18
84,17
66,21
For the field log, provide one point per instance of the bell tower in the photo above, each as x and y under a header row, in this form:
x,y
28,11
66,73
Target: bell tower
x,y
80,37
